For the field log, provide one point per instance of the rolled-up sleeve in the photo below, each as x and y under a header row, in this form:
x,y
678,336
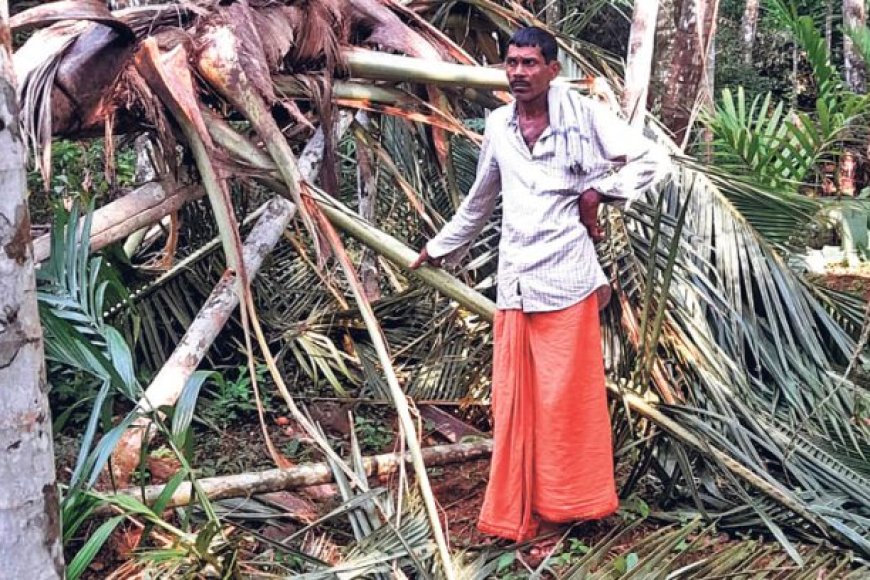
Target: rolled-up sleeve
x,y
454,239
637,162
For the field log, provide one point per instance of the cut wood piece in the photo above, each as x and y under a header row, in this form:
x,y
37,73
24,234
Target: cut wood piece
x,y
115,221
452,428
273,480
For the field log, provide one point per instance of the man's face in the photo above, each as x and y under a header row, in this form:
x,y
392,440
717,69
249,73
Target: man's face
x,y
529,76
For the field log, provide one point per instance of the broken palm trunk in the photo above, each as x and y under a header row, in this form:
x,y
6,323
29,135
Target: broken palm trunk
x,y
118,219
166,387
300,476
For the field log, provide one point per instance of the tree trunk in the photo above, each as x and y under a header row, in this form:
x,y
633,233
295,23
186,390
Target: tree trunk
x,y
663,52
708,97
853,17
747,29
116,220
683,82
29,512
829,26
554,15
795,69
639,60
367,194
299,476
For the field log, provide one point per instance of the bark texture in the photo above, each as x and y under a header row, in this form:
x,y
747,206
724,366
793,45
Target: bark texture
x,y
748,25
666,31
29,513
854,17
684,80
638,63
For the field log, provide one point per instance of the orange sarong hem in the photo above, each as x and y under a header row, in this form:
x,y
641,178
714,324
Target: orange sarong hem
x,y
552,455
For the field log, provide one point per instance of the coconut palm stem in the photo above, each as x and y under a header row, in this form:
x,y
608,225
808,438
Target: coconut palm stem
x,y
381,66
202,332
248,484
118,219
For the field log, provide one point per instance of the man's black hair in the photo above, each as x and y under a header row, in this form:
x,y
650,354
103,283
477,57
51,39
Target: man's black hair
x,y
534,36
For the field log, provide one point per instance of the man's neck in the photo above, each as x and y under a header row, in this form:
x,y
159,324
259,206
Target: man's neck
x,y
534,109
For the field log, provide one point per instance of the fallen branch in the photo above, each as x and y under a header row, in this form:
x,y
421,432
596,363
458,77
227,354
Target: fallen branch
x,y
115,221
167,385
248,484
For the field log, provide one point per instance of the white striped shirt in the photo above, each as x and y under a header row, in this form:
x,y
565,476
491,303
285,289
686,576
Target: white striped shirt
x,y
546,259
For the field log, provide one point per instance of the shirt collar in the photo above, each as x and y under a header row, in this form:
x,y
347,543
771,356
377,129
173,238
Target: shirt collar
x,y
554,98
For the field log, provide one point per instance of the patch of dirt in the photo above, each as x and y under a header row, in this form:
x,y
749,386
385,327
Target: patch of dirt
x,y
459,489
852,280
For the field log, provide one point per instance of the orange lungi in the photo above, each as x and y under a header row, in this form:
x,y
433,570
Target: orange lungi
x,y
552,454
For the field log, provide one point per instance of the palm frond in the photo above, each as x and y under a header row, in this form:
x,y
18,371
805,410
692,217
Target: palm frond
x,y
72,290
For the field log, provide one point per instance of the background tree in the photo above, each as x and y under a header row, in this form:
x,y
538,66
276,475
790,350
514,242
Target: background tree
x,y
666,29
639,60
685,75
29,513
747,29
554,14
829,24
854,17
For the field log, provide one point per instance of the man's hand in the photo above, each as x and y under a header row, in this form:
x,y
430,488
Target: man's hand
x,y
589,202
425,258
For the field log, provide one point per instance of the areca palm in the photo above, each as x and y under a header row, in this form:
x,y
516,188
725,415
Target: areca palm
x,y
723,362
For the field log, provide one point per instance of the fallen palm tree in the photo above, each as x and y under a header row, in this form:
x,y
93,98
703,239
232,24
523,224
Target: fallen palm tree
x,y
756,428
250,484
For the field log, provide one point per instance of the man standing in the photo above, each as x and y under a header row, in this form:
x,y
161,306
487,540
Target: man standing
x,y
552,457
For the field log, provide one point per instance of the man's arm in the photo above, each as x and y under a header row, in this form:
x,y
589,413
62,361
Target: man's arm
x,y
638,162
453,240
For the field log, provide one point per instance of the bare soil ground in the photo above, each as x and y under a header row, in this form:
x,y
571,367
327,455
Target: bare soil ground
x,y
853,280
